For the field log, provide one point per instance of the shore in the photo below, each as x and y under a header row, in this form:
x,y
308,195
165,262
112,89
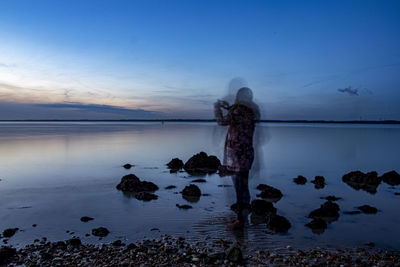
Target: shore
x,y
176,251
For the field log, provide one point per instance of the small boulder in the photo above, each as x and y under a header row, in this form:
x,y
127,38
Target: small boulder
x,y
191,191
101,231
201,163
74,242
145,196
269,193
368,209
86,219
6,253
392,178
170,187
368,182
317,226
328,212
277,223
300,180
184,207
262,207
175,164
131,183
319,182
199,181
128,166
9,232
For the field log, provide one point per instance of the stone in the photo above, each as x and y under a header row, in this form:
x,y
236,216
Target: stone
x,y
331,198
269,193
319,182
184,207
368,209
317,226
175,164
368,182
10,232
234,254
199,181
145,196
262,207
101,232
74,242
6,253
128,166
277,223
191,191
328,212
170,187
300,180
131,183
392,178
86,219
201,163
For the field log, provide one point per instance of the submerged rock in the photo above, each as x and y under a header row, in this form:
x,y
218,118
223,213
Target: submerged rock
x,y
319,182
86,219
145,196
391,178
128,166
101,231
184,207
328,212
201,163
175,164
10,232
317,226
269,193
262,207
131,183
277,223
300,180
368,209
331,198
366,181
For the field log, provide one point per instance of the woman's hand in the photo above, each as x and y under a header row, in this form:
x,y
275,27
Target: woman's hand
x,y
223,104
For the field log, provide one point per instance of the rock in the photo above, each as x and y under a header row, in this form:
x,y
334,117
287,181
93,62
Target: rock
x,y
145,196
368,209
191,191
391,178
269,193
331,198
328,212
234,254
170,187
319,182
60,245
131,183
257,219
201,163
353,212
34,225
184,207
175,164
10,232
397,193
262,207
128,166
277,223
101,231
6,253
366,181
199,181
86,219
317,226
117,243
74,242
300,180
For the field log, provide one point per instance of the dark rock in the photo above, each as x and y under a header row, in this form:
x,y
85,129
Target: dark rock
x,y
10,232
131,183
170,187
202,163
117,243
145,196
397,193
175,164
328,212
223,171
45,255
353,212
86,219
262,207
269,193
331,198
300,180
130,246
319,182
101,231
257,219
34,225
128,166
391,178
184,207
366,181
199,181
368,209
191,191
6,253
234,254
74,242
60,245
277,223
317,226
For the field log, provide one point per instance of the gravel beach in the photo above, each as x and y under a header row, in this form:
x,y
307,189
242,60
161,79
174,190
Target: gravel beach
x,y
176,251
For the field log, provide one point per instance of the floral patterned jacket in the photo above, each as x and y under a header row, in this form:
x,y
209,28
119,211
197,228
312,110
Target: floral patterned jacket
x,y
239,151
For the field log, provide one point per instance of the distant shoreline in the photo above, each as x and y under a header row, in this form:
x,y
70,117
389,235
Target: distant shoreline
x,y
201,120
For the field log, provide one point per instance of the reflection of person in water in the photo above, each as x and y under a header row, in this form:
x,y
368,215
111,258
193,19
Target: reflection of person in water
x,y
239,151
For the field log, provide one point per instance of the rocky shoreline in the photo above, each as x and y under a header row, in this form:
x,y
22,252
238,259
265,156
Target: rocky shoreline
x,y
176,251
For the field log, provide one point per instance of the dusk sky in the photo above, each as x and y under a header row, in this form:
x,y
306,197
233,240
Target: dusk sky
x,y
329,60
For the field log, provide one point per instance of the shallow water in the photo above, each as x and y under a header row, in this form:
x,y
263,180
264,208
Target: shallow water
x,y
54,173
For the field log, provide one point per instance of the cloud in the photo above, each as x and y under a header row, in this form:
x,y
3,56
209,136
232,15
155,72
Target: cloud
x,y
349,90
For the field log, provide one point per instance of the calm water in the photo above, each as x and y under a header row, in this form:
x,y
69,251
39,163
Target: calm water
x,y
54,173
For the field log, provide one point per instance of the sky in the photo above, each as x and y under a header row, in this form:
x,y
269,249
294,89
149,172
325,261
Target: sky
x,y
316,60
